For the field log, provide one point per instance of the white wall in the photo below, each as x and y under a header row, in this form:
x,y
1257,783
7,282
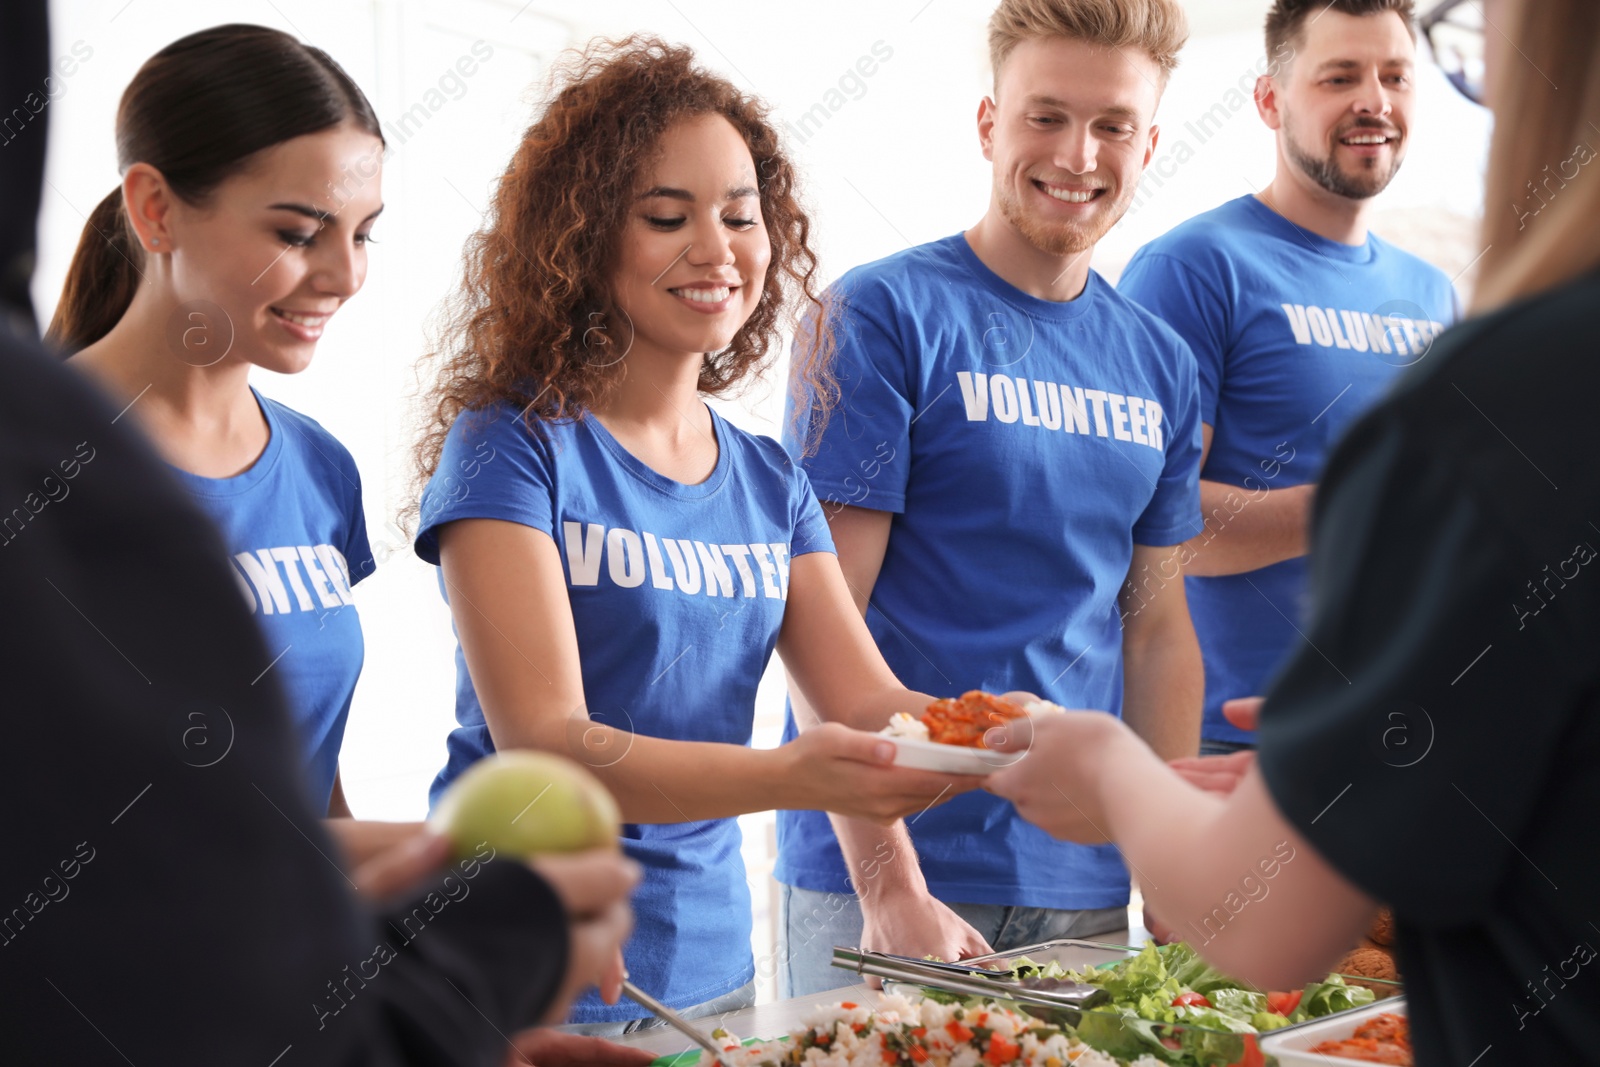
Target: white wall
x,y
894,163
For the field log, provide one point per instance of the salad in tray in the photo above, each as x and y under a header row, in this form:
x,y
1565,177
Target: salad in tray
x,y
1169,1004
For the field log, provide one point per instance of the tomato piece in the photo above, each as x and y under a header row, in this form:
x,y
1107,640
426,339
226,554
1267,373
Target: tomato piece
x,y
1190,1000
957,1031
1252,1053
1001,1051
1284,1003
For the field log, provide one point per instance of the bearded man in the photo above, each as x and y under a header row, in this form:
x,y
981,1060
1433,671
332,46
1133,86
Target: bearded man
x,y
1300,320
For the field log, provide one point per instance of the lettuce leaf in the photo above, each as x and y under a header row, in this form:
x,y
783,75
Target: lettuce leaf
x,y
1328,996
1192,972
1125,1036
1143,975
1213,1050
1023,967
1157,1007
1243,1002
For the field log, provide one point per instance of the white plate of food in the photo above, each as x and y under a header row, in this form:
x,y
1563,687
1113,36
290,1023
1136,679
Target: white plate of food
x,y
1378,1033
949,735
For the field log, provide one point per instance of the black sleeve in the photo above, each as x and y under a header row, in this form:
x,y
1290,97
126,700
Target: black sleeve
x,y
481,953
168,896
26,84
1399,737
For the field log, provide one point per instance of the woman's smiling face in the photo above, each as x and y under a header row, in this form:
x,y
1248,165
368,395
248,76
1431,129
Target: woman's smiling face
x,y
276,248
694,252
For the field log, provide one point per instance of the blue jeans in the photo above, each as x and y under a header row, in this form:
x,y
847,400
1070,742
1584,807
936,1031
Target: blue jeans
x,y
815,922
738,1000
1209,747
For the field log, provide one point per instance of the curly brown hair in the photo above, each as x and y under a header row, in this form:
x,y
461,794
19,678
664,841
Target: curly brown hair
x,y
526,325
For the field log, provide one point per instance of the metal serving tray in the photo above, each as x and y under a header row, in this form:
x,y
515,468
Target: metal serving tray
x,y
1120,1036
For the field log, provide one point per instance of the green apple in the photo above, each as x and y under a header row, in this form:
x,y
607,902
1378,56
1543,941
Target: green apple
x,y
526,803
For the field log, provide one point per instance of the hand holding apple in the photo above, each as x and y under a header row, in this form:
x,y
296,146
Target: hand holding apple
x,y
526,804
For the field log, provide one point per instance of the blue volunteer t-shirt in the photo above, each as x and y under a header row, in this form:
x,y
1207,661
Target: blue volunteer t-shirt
x,y
1024,446
677,595
1295,335
294,527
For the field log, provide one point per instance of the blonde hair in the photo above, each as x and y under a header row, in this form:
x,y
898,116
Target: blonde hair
x,y
1541,220
1157,28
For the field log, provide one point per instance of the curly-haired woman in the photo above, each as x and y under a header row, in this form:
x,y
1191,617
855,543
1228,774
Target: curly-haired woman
x,y
621,562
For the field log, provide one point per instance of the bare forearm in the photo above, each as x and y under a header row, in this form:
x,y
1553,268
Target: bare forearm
x,y
1173,836
1247,530
881,860
1164,688
662,781
1228,873
898,914
872,711
683,781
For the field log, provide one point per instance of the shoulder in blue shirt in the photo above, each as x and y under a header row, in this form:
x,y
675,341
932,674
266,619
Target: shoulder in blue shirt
x,y
1294,336
294,526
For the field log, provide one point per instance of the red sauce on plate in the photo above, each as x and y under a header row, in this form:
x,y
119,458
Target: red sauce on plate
x,y
1383,1038
965,719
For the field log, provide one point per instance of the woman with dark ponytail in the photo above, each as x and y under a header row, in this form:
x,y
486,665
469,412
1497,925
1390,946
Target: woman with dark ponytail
x,y
251,166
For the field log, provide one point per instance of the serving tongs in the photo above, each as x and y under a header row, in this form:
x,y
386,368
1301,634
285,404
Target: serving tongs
x,y
674,1020
1060,1002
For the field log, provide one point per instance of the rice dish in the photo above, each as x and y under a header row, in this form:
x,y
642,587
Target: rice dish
x,y
899,1032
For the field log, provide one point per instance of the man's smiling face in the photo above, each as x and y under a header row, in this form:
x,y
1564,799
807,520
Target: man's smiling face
x,y
1069,133
1345,101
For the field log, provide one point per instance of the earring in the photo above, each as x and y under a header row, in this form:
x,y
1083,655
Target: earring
x,y
155,240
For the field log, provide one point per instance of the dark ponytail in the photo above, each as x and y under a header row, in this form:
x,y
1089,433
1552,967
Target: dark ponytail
x,y
197,111
105,271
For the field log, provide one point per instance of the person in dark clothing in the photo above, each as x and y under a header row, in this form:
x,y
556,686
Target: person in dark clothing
x,y
1435,746
169,896
25,78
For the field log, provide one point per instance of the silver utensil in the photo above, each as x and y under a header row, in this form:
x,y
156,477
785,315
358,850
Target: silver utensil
x,y
1063,1000
674,1020
960,970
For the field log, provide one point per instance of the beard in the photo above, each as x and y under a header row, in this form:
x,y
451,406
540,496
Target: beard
x,y
1060,238
1326,172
